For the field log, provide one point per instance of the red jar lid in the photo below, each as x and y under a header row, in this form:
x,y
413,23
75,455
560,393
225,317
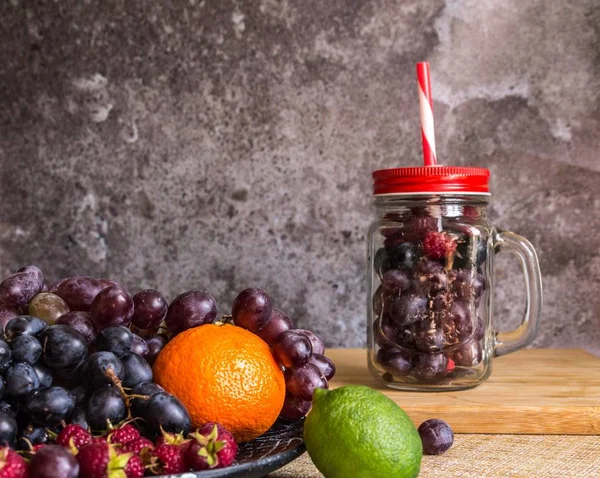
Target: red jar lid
x,y
431,179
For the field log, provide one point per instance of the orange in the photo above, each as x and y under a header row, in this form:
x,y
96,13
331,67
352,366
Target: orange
x,y
224,374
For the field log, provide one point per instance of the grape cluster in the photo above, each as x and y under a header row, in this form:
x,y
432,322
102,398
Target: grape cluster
x,y
76,358
298,351
431,285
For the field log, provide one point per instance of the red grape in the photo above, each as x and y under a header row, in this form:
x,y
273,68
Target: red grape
x,y
191,309
79,291
295,408
292,349
317,344
251,309
326,366
81,322
19,288
155,345
278,324
150,308
302,382
112,306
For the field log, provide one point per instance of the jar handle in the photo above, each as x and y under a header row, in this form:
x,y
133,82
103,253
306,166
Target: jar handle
x,y
507,342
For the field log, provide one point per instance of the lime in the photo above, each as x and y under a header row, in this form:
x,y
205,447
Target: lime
x,y
355,431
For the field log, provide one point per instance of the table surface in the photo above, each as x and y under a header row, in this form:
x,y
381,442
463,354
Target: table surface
x,y
497,455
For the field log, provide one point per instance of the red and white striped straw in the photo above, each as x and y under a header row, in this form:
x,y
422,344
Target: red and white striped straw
x,y
426,107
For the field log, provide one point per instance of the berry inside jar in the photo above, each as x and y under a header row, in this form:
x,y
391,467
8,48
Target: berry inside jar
x,y
429,286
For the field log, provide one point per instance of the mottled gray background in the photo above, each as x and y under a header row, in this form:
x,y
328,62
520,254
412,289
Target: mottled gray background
x,y
223,144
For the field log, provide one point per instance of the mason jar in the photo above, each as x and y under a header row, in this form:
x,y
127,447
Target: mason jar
x,y
431,250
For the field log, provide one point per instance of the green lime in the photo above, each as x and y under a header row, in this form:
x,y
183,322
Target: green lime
x,y
355,431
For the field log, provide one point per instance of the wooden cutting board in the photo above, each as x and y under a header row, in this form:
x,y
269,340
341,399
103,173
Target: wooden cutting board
x,y
533,391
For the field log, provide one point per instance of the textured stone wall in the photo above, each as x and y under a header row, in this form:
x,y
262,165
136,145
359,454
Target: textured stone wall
x,y
226,144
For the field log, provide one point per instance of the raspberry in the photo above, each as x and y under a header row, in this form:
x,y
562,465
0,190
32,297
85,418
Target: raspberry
x,y
213,447
73,437
437,245
166,459
138,445
123,435
12,465
102,460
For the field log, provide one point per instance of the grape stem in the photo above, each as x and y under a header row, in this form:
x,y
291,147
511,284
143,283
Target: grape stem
x,y
110,373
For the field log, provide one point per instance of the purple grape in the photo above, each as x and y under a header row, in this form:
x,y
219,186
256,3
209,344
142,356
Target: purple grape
x,y
155,345
150,309
317,344
295,408
19,288
402,256
384,333
301,382
395,280
43,373
395,361
117,340
408,308
81,322
139,346
251,309
429,338
468,284
52,461
191,309
429,366
436,435
50,406
48,306
112,306
24,325
26,348
79,291
144,392
106,403
461,317
63,347
326,366
21,380
405,337
468,354
278,324
137,370
292,349
431,277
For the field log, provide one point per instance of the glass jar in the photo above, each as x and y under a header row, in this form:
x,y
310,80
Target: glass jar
x,y
431,277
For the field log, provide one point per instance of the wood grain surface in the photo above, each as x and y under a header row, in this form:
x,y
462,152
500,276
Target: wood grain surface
x,y
533,391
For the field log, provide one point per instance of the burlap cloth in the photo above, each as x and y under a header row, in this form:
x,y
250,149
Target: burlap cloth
x,y
477,456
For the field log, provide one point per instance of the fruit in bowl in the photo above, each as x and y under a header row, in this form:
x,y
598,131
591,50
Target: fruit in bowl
x,y
133,384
